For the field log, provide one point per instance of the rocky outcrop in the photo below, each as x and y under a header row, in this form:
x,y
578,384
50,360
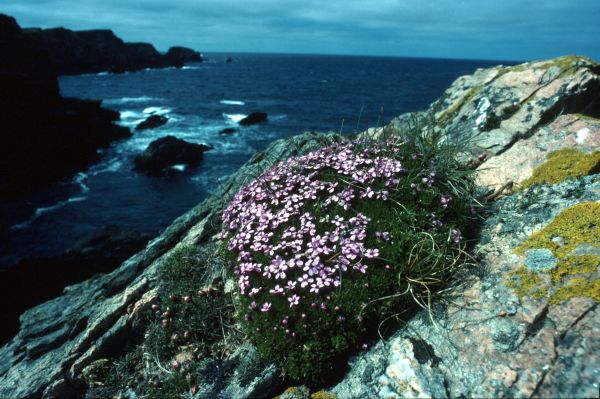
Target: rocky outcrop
x,y
514,324
180,55
254,118
59,338
69,52
151,122
483,339
33,281
166,152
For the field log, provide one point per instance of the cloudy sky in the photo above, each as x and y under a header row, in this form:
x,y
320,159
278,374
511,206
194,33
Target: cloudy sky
x,y
480,29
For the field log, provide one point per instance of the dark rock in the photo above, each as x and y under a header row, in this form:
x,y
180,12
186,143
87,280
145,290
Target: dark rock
x,y
229,59
32,281
44,137
8,26
254,118
68,52
166,152
178,56
228,130
151,122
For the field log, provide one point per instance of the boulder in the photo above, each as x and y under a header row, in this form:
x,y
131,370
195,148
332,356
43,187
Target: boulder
x,y
151,122
166,152
228,130
254,118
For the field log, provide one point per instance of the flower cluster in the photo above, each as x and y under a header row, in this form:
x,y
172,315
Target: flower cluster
x,y
302,257
310,228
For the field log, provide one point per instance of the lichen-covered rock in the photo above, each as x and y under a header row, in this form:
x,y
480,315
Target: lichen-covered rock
x,y
518,162
486,339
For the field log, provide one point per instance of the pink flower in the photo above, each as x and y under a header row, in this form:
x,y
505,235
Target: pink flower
x,y
293,300
265,307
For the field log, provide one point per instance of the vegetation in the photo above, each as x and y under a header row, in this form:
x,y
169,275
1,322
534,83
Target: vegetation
x,y
327,246
189,327
566,163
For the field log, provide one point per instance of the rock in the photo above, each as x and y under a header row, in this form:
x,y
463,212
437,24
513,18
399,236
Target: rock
x,y
178,56
484,340
152,122
45,137
254,118
167,152
229,60
486,336
33,281
88,313
8,26
518,162
227,130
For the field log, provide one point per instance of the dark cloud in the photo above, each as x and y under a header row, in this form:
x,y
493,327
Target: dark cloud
x,y
490,29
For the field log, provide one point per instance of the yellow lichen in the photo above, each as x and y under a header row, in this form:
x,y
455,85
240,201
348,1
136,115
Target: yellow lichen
x,y
322,395
587,118
564,164
576,274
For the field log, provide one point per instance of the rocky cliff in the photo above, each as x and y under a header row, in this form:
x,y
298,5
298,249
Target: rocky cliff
x,y
68,52
521,321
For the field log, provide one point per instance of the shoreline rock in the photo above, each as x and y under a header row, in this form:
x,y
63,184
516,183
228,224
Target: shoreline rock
x,y
166,152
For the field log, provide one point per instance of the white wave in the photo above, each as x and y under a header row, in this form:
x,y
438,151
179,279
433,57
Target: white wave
x,y
156,110
102,73
188,67
235,117
129,100
113,165
180,167
47,209
80,179
232,102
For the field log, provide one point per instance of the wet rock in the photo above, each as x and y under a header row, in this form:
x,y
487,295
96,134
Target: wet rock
x,y
254,118
152,122
227,130
166,152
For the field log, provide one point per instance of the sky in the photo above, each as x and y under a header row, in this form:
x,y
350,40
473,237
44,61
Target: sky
x,y
519,30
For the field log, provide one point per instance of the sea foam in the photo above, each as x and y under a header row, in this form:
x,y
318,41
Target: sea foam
x,y
232,102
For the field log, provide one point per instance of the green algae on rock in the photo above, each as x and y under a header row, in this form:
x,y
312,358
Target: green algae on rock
x,y
564,164
575,274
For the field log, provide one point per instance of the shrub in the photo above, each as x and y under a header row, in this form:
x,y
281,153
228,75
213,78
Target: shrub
x,y
326,246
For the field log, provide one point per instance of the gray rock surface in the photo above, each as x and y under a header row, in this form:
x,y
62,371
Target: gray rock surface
x,y
481,339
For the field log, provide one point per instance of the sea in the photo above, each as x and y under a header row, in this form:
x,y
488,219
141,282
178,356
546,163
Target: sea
x,y
299,93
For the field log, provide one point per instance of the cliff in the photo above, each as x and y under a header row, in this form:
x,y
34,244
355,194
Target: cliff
x,y
68,52
520,322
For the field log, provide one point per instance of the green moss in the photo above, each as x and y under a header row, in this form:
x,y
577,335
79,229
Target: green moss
x,y
574,275
566,163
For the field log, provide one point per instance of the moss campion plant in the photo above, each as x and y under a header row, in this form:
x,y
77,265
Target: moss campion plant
x,y
327,245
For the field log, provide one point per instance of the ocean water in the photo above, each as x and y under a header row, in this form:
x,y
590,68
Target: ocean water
x,y
299,92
